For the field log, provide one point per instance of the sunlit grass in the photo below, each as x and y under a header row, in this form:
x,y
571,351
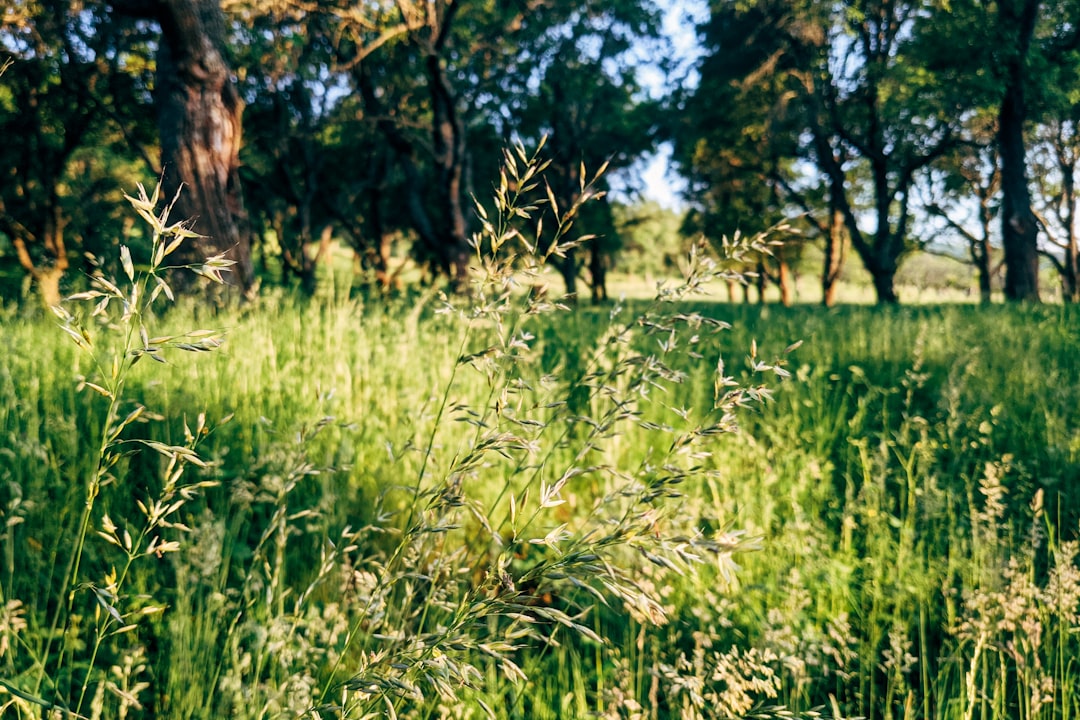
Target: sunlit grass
x,y
865,477
498,505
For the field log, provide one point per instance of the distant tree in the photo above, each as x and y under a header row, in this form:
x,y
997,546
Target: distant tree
x,y
69,109
881,103
971,172
738,139
447,83
826,221
411,84
1055,154
363,188
284,55
862,105
593,116
651,242
1017,58
199,113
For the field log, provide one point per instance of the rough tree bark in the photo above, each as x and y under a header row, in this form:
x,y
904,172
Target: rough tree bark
x,y
199,120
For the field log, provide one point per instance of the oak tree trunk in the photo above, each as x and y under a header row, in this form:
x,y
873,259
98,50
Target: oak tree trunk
x,y
884,277
1019,229
199,120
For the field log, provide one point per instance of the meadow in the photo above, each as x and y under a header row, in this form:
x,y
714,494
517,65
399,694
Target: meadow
x,y
890,533
498,505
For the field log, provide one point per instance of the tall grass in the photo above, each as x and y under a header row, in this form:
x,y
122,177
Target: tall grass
x,y
891,482
501,508
499,513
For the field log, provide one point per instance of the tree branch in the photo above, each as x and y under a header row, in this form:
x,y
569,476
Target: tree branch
x,y
938,211
1050,236
1058,265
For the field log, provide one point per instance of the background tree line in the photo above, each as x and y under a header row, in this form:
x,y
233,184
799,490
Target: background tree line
x,y
883,126
891,124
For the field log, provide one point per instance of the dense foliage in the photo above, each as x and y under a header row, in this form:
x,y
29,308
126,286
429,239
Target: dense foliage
x,y
881,125
848,110
295,124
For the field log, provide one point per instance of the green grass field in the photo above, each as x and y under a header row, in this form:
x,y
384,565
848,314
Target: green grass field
x,y
399,512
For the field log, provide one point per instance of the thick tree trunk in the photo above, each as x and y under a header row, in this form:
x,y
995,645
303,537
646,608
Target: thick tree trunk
x,y
46,278
1070,265
1070,291
881,254
986,290
48,285
1019,229
885,285
199,120
980,250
